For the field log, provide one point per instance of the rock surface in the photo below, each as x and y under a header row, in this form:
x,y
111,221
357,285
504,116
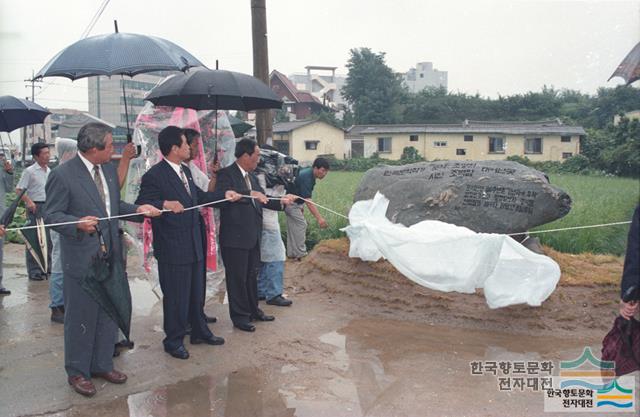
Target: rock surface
x,y
485,196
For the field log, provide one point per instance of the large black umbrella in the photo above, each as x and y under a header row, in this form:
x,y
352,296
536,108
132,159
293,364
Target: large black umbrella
x,y
629,68
118,54
16,113
205,89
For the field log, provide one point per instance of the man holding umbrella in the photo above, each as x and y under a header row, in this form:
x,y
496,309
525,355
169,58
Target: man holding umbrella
x,y
84,190
33,180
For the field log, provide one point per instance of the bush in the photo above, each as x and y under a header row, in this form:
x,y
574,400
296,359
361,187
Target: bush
x,y
410,155
576,164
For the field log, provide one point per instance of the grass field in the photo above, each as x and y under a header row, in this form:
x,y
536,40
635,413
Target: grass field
x,y
596,200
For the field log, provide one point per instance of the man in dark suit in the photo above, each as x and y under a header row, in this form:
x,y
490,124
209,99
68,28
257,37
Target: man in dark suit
x,y
240,231
85,189
178,242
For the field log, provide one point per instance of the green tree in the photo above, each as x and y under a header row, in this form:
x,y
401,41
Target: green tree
x,y
373,91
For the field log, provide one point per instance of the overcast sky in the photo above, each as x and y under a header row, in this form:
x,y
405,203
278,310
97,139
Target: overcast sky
x,y
488,47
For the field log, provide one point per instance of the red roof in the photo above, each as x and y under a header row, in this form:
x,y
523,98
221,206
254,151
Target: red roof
x,y
299,96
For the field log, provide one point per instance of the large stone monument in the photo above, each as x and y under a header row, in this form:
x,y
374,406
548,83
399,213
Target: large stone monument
x,y
485,196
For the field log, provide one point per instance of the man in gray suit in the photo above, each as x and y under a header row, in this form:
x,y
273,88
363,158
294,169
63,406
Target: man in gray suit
x,y
6,183
85,189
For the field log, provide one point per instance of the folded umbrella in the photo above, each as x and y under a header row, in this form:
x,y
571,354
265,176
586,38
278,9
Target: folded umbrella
x,y
35,239
107,284
622,344
7,216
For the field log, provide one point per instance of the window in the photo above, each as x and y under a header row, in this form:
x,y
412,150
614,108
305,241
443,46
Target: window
x,y
439,143
468,138
282,146
413,138
565,138
461,151
311,145
533,145
496,144
566,155
384,145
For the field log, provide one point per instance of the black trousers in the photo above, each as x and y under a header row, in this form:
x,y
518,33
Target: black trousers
x,y
241,274
182,289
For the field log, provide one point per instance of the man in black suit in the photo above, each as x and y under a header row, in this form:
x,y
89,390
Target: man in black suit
x,y
178,242
240,231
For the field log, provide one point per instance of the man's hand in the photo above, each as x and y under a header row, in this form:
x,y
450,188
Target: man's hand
x,y
288,199
628,310
2,231
261,198
232,195
174,206
31,206
215,167
88,224
322,223
7,166
148,210
129,152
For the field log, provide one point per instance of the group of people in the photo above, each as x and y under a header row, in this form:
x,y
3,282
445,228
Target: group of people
x,y
86,189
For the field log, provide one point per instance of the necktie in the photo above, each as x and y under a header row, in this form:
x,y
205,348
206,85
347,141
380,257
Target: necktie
x,y
248,181
97,178
184,181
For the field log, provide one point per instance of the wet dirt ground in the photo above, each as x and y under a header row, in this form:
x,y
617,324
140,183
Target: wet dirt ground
x,y
331,354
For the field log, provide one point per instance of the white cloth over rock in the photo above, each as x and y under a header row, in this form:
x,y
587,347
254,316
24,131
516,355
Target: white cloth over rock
x,y
446,257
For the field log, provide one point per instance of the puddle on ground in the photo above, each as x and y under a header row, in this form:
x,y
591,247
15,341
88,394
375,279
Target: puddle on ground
x,y
369,367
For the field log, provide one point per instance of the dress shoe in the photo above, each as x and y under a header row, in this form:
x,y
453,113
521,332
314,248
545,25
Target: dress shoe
x,y
262,317
262,298
213,340
125,344
180,353
210,319
115,377
57,315
279,301
247,327
37,277
4,291
82,385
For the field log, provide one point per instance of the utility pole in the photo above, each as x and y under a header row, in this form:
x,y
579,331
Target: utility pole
x,y
33,99
264,123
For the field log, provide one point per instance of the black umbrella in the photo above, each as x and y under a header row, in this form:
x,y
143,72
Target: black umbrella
x,y
239,127
107,284
118,54
16,113
629,68
7,216
205,89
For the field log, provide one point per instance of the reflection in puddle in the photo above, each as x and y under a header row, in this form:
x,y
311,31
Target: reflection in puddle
x,y
368,368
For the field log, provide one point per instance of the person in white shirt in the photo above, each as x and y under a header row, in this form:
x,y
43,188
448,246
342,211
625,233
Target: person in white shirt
x,y
33,180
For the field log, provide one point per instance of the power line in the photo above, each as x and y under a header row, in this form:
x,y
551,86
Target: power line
x,y
95,19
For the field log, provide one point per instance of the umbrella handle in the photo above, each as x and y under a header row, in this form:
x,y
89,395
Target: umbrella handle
x,y
103,246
